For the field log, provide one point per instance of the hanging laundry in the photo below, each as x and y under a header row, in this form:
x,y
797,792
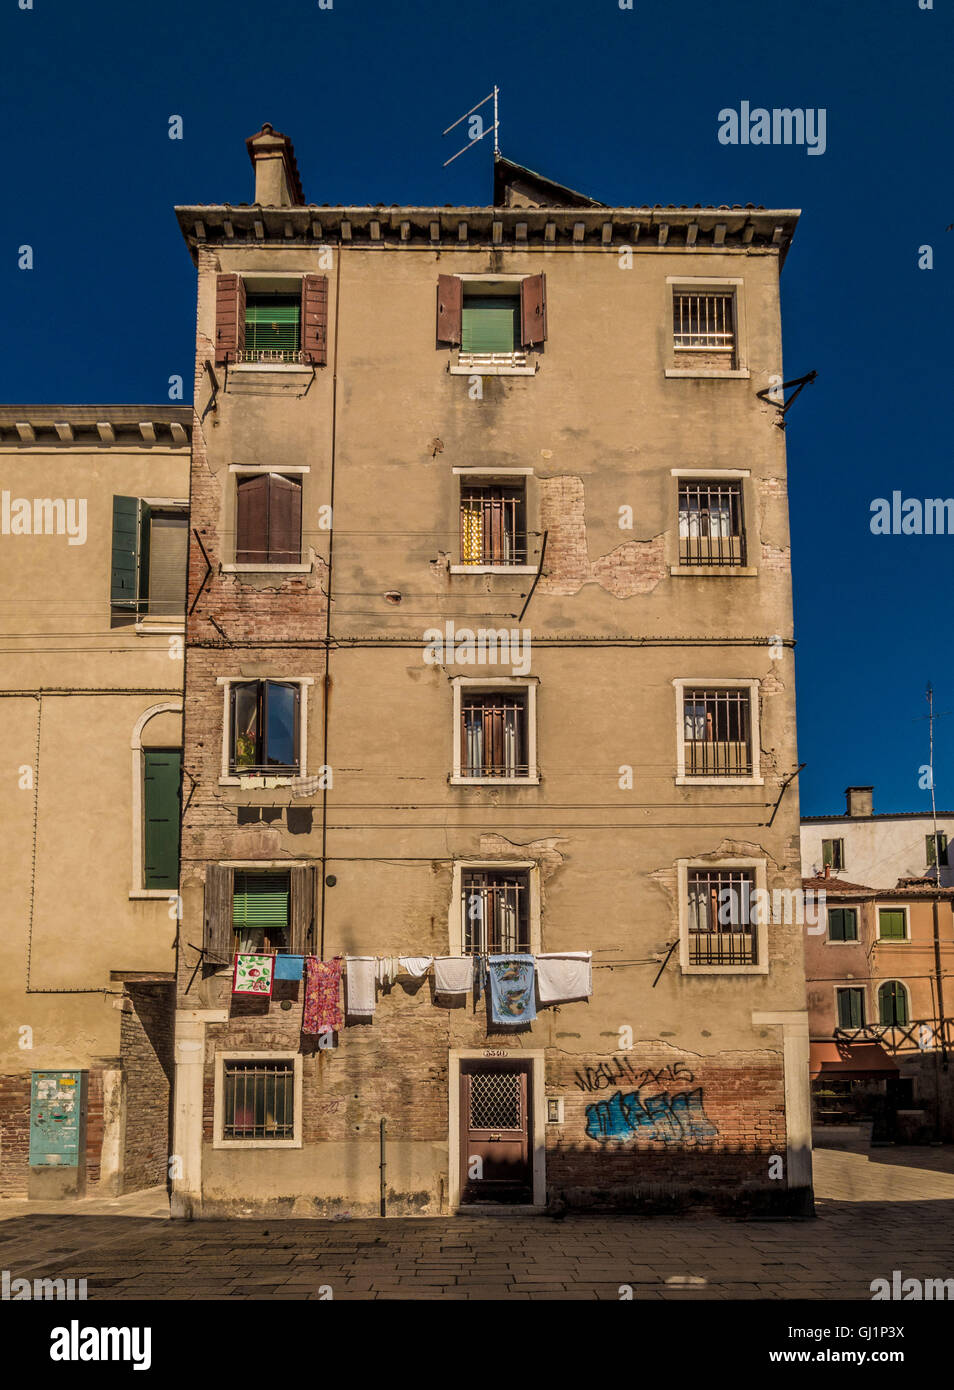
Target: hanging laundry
x,y
359,984
453,974
289,967
304,786
563,975
480,977
511,989
253,975
385,971
322,1010
416,965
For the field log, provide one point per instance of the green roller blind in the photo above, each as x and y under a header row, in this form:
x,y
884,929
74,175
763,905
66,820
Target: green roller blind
x,y
272,323
260,900
161,781
490,324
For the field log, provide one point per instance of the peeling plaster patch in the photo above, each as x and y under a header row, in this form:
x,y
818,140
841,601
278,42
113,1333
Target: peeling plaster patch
x,y
635,567
545,852
771,685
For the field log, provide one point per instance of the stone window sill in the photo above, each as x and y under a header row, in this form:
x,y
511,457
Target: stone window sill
x,y
267,569
714,571
741,372
493,569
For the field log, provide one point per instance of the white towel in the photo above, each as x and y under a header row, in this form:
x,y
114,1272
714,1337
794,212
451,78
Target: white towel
x,y
385,970
563,975
453,974
416,965
359,980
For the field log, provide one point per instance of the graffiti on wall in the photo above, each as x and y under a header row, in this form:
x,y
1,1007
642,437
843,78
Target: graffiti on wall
x,y
662,1118
618,1071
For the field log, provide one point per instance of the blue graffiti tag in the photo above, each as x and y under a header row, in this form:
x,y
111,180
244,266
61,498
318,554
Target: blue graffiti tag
x,y
664,1119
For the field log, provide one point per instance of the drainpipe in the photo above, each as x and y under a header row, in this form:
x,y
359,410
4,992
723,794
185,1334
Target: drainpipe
x,y
383,1166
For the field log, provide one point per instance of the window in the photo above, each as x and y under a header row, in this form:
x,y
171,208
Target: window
x,y
268,520
936,854
720,928
711,530
492,321
260,910
716,733
495,911
493,527
851,1008
150,551
259,1099
893,1003
162,779
271,320
264,726
704,321
842,924
833,854
892,924
494,734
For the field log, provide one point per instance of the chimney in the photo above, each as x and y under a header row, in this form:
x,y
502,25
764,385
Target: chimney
x,y
277,183
860,801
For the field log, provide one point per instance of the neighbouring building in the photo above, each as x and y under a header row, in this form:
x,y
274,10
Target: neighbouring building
x,y
879,969
489,651
93,532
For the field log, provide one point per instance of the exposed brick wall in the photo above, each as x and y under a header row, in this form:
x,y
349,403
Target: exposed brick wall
x,y
146,1044
14,1133
94,1126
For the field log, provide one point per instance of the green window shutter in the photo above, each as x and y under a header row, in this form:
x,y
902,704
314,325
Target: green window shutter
x,y
891,924
851,1008
162,779
260,900
490,324
124,576
272,323
836,924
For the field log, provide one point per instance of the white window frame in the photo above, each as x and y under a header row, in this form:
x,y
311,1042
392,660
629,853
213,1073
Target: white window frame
x,y
680,684
715,284
155,627
747,571
893,940
683,868
455,916
849,984
844,907
475,685
475,364
892,980
218,1122
262,780
262,284
491,474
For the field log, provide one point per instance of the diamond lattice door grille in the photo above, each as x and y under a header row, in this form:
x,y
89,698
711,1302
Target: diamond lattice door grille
x,y
495,1100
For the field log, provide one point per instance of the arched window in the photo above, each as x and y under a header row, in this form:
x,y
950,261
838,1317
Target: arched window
x,y
893,1002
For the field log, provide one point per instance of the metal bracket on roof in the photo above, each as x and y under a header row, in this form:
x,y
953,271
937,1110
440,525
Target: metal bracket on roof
x,y
210,405
782,790
208,570
771,394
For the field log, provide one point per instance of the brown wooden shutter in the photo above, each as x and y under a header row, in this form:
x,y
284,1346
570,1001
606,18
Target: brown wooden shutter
x,y
218,938
450,306
229,316
302,913
533,310
251,520
284,521
314,319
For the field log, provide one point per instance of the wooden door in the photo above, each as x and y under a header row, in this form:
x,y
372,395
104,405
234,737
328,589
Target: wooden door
x,y
496,1140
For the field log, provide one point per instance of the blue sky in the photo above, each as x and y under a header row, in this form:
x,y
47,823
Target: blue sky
x,y
620,104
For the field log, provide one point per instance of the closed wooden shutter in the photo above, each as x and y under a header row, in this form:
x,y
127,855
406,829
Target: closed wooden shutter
x,y
314,319
124,574
450,301
533,310
229,316
218,938
284,521
303,880
168,559
251,520
162,774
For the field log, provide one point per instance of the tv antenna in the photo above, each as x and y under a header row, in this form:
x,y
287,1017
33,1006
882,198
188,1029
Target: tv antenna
x,y
477,130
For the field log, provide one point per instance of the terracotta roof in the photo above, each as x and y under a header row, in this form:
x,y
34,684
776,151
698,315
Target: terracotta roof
x,y
838,887
905,888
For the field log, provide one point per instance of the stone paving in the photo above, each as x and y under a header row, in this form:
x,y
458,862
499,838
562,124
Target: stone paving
x,y
877,1211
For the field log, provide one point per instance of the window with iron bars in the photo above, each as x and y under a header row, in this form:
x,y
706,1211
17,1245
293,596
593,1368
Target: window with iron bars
x,y
711,529
703,322
259,1100
495,912
720,928
493,528
494,735
717,733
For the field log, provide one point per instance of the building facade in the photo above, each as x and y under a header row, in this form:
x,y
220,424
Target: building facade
x,y
489,652
877,848
93,526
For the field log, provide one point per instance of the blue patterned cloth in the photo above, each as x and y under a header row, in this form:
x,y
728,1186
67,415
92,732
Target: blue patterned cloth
x,y
289,967
511,989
